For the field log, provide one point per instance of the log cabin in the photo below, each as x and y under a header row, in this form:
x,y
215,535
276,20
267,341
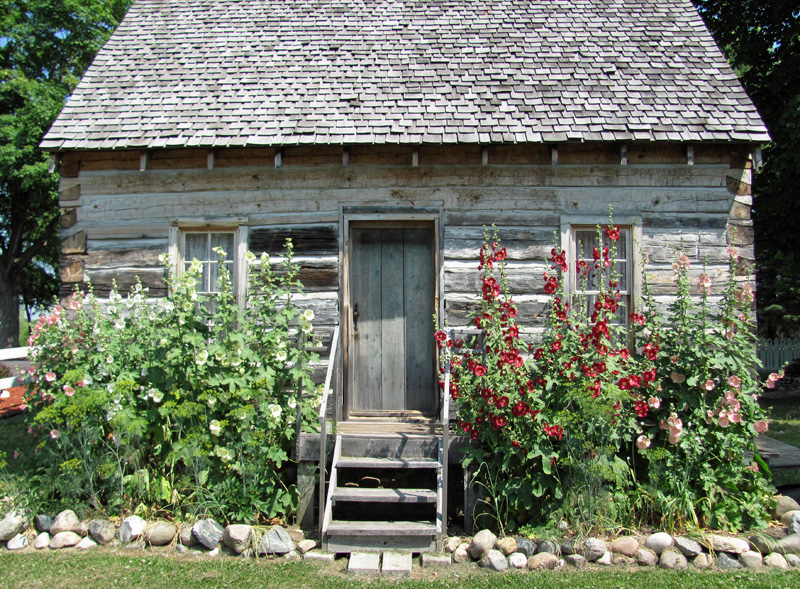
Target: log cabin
x,y
382,136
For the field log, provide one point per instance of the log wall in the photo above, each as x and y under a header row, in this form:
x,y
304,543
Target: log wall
x,y
117,207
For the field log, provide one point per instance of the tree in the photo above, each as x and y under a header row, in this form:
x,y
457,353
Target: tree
x,y
761,40
45,47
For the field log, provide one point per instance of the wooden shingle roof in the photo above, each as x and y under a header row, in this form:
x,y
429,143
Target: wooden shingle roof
x,y
219,73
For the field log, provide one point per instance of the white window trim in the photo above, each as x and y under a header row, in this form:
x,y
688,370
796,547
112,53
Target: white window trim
x,y
240,228
634,223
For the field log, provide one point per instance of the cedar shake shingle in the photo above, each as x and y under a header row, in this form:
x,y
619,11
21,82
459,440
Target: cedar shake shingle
x,y
212,73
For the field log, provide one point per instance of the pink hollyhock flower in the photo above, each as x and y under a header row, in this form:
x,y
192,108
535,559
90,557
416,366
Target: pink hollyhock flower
x,y
54,433
734,382
735,417
50,377
642,442
761,426
677,377
674,438
654,402
733,253
723,420
709,385
68,390
704,284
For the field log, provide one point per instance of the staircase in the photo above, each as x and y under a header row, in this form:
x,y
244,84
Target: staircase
x,y
386,491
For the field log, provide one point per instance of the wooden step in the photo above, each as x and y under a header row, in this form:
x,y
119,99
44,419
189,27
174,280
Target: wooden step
x,y
358,462
398,446
381,528
384,495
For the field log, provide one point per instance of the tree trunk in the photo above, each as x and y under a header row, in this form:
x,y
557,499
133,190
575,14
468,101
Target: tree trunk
x,y
9,312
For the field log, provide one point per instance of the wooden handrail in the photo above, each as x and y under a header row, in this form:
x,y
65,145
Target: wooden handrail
x,y
323,433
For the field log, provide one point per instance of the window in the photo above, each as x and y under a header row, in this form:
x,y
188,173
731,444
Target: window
x,y
202,246
582,243
190,241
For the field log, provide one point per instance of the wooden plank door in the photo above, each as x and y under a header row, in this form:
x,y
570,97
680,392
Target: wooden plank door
x,y
392,355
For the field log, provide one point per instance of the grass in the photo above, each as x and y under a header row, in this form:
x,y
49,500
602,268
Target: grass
x,y
784,420
165,570
784,426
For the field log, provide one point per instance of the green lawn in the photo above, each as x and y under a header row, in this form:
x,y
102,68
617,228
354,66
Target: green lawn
x,y
784,426
163,570
784,420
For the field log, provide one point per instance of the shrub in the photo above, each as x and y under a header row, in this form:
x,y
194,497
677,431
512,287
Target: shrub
x,y
184,402
594,425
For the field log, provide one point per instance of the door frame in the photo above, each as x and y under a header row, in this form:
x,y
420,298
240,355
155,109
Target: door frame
x,y
380,217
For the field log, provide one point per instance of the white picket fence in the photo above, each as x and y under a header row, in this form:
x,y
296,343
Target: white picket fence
x,y
775,353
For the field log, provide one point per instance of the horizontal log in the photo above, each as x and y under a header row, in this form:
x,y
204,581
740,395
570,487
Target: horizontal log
x,y
145,257
306,239
74,243
160,181
102,280
521,280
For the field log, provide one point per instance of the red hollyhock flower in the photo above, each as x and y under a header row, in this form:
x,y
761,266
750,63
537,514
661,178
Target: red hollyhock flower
x,y
635,380
641,408
502,402
651,350
479,370
649,376
550,285
625,384
500,255
612,232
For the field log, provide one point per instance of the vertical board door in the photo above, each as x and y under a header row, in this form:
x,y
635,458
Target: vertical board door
x,y
392,355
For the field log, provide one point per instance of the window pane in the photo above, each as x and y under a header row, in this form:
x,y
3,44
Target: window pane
x,y
196,247
223,240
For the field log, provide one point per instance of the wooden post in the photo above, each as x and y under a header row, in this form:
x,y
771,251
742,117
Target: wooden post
x,y
144,160
306,484
690,155
623,154
345,157
470,497
554,155
758,158
485,156
278,158
415,158
211,156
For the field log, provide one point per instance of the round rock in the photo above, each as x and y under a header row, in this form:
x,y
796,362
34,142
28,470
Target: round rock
x,y
575,560
518,560
185,536
594,549
42,541
450,544
160,534
276,541
783,505
66,521
64,540
132,527
688,547
702,561
727,562
542,560
102,531
659,542
571,547
86,544
208,533
673,560
751,560
507,545
11,525
627,545
18,542
237,537
727,544
43,522
461,554
494,560
646,557
792,559
482,543
776,561
526,547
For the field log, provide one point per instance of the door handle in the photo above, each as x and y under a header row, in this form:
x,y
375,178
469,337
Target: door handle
x,y
355,317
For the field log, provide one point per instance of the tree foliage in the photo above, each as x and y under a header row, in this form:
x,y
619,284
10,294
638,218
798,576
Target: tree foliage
x,y
762,42
45,47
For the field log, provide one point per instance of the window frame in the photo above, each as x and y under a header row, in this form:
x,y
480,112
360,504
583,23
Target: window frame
x,y
238,226
571,224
